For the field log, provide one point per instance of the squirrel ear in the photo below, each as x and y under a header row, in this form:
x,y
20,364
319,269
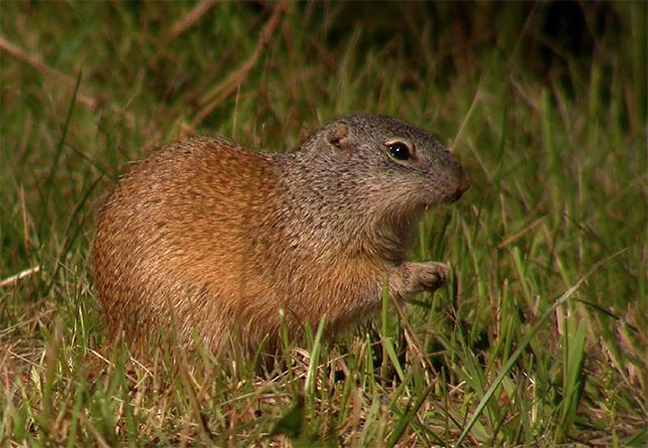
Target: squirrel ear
x,y
339,137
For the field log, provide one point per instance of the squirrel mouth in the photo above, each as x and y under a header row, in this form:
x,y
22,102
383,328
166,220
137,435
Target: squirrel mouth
x,y
436,202
454,196
445,200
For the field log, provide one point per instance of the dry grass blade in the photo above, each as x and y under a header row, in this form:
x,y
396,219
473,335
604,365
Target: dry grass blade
x,y
221,92
191,18
180,27
83,96
519,234
466,119
12,280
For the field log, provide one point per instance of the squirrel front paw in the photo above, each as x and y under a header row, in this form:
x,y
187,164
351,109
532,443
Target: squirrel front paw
x,y
428,276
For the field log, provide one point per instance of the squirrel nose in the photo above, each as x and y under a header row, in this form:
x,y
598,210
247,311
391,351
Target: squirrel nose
x,y
463,182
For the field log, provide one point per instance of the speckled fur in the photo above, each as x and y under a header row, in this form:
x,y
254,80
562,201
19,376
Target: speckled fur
x,y
209,240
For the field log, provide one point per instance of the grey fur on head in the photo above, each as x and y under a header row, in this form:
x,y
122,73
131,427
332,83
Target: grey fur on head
x,y
344,169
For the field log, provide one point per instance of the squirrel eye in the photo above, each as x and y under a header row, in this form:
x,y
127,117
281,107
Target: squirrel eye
x,y
399,150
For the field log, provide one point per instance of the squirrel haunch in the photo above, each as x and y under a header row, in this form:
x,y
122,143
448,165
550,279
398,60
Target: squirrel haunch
x,y
207,240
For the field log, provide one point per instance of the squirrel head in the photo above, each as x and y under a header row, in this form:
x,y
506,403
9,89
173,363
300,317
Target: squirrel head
x,y
389,162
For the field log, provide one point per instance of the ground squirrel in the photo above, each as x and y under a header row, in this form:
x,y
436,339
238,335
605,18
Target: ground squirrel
x,y
212,241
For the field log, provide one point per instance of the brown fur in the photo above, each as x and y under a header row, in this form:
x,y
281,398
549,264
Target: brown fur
x,y
209,240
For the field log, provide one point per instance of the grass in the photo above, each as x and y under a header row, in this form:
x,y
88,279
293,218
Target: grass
x,y
539,339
